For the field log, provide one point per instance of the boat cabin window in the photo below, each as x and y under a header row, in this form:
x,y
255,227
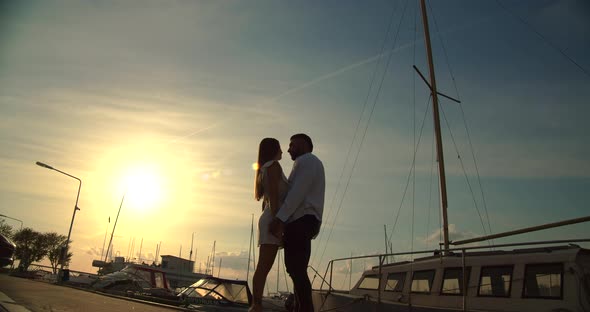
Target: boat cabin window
x,y
395,281
495,281
370,282
543,281
233,292
159,277
203,289
453,281
144,275
422,281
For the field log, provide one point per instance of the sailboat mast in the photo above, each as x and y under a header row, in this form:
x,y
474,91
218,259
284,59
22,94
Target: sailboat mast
x,y
250,249
437,131
278,269
140,247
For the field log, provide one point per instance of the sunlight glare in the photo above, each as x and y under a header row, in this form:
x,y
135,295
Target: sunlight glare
x,y
153,179
143,187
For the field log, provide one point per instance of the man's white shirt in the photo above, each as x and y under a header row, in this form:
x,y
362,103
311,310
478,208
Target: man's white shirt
x,y
307,185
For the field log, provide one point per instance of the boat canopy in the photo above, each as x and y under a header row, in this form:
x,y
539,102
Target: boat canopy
x,y
142,277
222,291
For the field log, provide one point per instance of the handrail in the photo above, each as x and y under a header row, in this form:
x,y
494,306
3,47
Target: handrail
x,y
435,252
318,274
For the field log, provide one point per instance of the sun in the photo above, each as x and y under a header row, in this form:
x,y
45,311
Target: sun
x,y
151,178
143,187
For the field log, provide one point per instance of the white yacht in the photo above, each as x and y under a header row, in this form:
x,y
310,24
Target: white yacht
x,y
532,279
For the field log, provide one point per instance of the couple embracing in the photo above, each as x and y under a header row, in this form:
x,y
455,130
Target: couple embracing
x,y
292,214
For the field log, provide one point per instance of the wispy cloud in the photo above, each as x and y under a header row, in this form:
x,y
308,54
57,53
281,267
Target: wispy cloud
x,y
454,234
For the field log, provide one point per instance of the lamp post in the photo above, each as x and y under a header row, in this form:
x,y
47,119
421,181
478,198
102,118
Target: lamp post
x,y
65,252
21,222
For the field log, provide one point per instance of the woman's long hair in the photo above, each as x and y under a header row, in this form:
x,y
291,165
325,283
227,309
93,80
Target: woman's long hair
x,y
267,150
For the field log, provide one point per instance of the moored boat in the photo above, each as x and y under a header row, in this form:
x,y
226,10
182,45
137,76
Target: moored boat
x,y
532,279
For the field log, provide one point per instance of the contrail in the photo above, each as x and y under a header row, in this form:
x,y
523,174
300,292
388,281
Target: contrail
x,y
338,72
376,57
197,131
304,86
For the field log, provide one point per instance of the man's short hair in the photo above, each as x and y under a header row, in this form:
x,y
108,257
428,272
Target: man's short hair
x,y
305,138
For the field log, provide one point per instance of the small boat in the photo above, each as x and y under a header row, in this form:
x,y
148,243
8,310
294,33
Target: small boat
x,y
135,280
213,293
179,272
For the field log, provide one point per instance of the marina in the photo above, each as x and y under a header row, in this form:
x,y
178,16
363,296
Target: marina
x,y
453,137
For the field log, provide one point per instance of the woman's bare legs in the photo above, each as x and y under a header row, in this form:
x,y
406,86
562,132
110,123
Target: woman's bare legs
x,y
267,255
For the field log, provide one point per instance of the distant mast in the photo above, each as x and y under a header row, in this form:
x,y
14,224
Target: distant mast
x,y
437,131
250,249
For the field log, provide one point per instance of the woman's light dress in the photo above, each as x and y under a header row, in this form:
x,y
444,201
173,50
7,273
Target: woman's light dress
x,y
264,235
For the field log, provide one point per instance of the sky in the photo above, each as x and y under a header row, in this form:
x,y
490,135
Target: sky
x,y
167,101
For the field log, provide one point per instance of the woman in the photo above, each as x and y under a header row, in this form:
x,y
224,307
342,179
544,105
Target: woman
x,y
271,186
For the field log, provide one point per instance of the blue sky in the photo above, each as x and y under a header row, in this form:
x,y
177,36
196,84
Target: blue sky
x,y
186,90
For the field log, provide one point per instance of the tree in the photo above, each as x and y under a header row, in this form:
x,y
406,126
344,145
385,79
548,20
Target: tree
x,y
5,229
31,246
56,245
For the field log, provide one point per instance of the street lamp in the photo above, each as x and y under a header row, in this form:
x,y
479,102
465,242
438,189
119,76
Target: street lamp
x,y
21,222
65,253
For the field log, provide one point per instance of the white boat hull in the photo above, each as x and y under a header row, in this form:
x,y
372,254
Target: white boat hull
x,y
559,280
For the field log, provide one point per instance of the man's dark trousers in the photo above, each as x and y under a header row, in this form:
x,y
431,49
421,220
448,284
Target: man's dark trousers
x,y
297,240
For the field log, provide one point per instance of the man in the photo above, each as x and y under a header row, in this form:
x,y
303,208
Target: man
x,y
300,216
